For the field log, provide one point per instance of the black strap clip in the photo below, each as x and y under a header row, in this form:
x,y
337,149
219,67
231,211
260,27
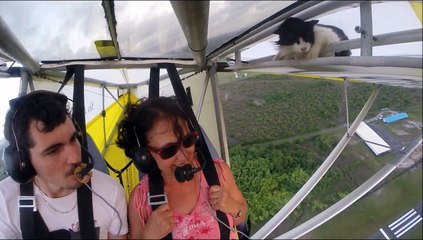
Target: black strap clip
x,y
158,199
26,202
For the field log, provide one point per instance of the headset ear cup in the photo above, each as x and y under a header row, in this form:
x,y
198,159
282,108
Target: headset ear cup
x,y
143,160
18,165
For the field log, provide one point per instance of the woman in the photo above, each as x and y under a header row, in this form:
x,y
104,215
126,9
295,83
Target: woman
x,y
158,135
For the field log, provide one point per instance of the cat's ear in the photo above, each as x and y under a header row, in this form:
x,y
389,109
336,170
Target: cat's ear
x,y
313,22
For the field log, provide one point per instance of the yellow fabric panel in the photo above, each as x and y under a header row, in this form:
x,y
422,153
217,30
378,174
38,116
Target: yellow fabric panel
x,y
117,160
96,128
114,156
418,8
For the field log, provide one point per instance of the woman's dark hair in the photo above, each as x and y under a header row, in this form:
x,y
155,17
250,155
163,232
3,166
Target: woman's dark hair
x,y
48,107
140,118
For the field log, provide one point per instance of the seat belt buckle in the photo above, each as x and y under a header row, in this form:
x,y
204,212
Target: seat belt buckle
x,y
158,199
27,202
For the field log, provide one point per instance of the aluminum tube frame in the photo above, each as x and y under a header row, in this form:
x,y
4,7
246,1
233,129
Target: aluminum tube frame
x,y
26,79
366,28
202,96
220,121
193,16
108,7
364,61
413,35
279,217
14,49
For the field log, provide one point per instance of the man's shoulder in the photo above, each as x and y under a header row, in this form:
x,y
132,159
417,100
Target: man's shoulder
x,y
103,178
8,187
8,181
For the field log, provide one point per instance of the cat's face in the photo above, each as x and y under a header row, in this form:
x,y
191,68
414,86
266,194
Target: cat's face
x,y
296,34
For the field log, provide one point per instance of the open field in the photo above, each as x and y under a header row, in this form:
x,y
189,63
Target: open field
x,y
281,128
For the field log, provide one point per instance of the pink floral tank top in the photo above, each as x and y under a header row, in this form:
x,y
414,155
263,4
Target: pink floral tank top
x,y
200,224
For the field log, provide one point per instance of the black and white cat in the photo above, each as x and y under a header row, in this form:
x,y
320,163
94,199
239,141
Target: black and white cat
x,y
300,39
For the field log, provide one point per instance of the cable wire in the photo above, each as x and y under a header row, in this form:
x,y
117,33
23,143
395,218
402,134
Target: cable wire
x,y
213,213
120,219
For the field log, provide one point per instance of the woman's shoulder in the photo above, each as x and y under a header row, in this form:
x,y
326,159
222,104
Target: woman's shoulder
x,y
220,163
141,188
222,169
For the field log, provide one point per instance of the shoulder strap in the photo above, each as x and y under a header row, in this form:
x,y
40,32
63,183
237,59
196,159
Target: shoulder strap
x,y
212,179
156,195
210,170
85,203
29,215
27,209
32,224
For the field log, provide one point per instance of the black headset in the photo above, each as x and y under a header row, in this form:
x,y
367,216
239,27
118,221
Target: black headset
x,y
16,159
17,162
142,158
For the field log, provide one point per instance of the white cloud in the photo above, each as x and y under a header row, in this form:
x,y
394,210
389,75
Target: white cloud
x,y
9,88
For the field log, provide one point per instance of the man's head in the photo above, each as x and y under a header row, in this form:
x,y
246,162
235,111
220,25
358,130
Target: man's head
x,y
38,128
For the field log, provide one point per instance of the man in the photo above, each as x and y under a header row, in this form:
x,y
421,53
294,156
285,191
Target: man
x,y
43,154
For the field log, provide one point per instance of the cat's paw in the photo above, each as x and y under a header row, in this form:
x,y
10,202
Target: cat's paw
x,y
311,55
278,57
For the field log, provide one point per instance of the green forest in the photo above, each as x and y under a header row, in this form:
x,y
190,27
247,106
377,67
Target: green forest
x,y
280,129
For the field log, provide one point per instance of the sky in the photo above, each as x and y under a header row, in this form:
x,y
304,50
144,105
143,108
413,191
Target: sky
x,y
8,89
387,17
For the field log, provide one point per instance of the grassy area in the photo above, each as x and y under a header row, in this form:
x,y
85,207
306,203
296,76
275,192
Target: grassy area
x,y
276,127
261,107
377,210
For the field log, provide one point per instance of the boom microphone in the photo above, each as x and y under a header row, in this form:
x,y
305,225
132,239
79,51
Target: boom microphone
x,y
83,172
186,172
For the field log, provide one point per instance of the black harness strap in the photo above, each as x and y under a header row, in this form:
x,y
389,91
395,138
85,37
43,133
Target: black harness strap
x,y
69,73
27,210
153,85
85,203
118,172
32,224
210,170
212,179
156,193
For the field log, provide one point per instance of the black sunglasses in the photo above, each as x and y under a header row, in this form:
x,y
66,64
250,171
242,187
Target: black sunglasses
x,y
171,149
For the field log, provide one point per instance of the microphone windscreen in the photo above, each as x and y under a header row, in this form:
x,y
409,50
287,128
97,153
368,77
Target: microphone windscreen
x,y
82,173
184,173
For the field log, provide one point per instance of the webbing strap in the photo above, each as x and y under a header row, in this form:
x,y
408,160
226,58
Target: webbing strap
x,y
153,85
69,73
210,170
27,213
85,203
32,224
155,185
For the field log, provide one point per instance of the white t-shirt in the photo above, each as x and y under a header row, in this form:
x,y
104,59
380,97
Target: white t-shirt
x,y
61,213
